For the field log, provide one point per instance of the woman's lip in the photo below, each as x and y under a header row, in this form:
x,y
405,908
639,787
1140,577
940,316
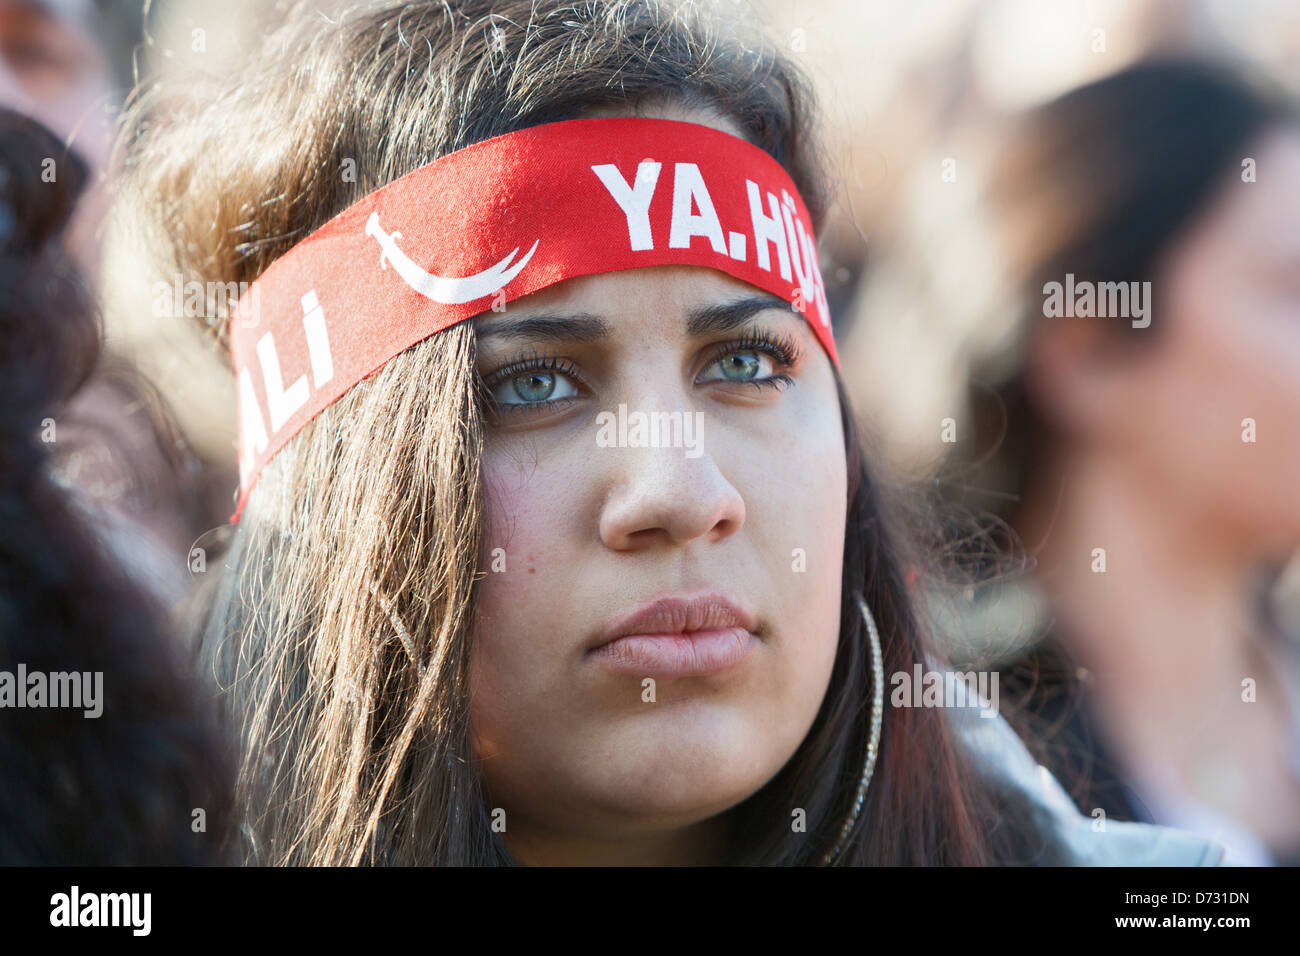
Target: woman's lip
x,y
689,654
679,614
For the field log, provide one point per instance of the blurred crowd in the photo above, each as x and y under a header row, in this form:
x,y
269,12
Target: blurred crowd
x,y
1112,497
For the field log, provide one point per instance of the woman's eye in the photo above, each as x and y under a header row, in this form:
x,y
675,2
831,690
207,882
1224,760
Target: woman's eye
x,y
533,388
744,366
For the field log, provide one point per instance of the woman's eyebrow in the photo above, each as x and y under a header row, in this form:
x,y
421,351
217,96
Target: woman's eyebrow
x,y
573,328
585,327
727,316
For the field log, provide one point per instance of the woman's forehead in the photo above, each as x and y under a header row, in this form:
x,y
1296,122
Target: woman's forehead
x,y
666,108
643,289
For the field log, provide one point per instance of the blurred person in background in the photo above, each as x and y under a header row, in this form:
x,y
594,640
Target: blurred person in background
x,y
54,69
138,776
1145,463
120,452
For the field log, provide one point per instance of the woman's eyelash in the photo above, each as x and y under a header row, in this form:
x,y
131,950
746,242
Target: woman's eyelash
x,y
532,362
779,346
524,362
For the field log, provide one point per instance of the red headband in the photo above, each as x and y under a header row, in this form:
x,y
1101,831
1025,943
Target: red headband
x,y
498,220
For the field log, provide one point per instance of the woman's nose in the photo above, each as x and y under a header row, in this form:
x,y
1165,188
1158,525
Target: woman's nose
x,y
665,485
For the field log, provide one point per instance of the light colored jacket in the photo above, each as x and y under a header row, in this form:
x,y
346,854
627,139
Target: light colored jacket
x,y
1077,840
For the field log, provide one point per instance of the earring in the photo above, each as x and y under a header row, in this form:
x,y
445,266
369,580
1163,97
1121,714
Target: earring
x,y
873,746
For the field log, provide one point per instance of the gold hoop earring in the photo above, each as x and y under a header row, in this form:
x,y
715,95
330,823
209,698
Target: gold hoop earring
x,y
873,745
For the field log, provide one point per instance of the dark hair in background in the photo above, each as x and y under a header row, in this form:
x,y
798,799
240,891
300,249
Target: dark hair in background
x,y
346,758
1100,182
1126,162
121,788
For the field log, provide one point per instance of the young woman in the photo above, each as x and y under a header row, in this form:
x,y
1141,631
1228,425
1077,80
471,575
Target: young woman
x,y
1145,456
474,611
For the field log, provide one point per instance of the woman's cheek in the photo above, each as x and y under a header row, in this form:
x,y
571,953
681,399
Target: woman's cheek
x,y
521,560
523,539
809,512
1227,391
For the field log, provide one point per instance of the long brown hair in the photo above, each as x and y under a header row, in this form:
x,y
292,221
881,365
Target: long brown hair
x,y
341,630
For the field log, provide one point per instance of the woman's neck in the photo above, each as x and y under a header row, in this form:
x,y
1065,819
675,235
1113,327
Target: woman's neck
x,y
700,844
1171,613
1166,632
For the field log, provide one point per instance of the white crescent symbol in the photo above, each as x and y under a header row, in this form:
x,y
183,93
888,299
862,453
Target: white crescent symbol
x,y
449,290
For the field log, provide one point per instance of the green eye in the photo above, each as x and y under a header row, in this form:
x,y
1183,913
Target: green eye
x,y
530,388
534,388
746,366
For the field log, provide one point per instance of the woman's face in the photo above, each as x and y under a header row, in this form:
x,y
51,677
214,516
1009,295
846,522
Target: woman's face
x,y
745,503
1225,327
1230,351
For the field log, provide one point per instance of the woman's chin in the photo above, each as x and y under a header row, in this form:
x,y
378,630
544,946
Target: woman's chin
x,y
686,771
676,805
